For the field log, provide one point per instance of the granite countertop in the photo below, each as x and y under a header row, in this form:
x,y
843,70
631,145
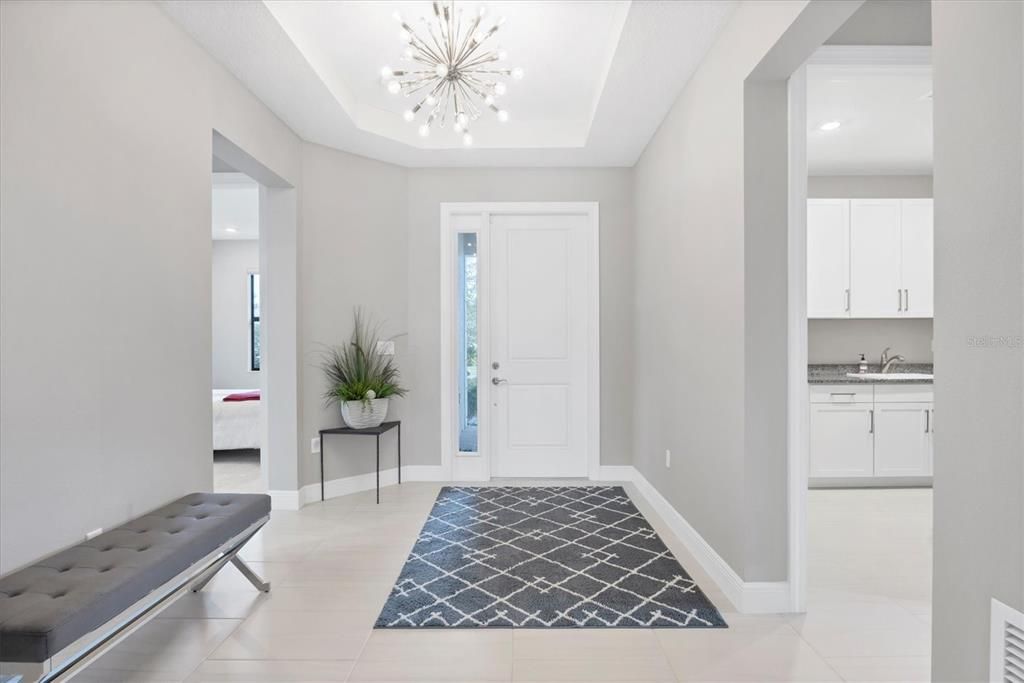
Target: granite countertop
x,y
836,374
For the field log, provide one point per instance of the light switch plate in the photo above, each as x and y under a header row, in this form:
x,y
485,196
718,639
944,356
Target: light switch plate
x,y
668,458
314,444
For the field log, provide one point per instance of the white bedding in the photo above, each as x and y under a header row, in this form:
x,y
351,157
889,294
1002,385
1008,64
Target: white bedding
x,y
236,424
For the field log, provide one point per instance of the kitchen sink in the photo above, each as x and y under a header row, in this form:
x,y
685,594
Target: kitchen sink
x,y
890,376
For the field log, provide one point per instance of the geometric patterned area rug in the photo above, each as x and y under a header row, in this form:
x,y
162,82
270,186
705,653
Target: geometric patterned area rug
x,y
542,557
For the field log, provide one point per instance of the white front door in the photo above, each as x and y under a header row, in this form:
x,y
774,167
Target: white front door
x,y
539,344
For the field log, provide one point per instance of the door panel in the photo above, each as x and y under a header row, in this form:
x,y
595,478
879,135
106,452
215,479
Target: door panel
x,y
875,283
918,258
828,258
902,440
539,341
841,441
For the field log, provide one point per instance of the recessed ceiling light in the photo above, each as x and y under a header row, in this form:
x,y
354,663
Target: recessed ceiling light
x,y
231,228
829,125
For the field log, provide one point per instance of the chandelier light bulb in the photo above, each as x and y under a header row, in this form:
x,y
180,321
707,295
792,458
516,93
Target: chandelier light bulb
x,y
397,16
462,119
404,36
479,37
467,139
499,88
502,115
386,73
431,100
407,54
457,127
441,70
481,11
489,100
424,130
408,115
394,87
518,73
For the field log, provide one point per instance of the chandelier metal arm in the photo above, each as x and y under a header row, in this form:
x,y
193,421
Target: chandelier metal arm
x,y
457,78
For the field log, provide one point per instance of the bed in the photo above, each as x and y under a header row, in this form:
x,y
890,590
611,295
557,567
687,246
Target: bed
x,y
236,424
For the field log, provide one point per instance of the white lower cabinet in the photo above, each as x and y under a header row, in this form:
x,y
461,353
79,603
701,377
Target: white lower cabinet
x,y
841,441
902,439
881,433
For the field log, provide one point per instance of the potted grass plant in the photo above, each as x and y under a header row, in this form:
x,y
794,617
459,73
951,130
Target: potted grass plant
x,y
361,379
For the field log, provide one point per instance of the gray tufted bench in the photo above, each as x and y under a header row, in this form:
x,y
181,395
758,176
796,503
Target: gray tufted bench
x,y
46,607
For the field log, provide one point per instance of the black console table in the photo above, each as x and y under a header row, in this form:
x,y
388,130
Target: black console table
x,y
369,431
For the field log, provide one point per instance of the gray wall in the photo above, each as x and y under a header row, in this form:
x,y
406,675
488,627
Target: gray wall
x,y
979,392
887,22
842,341
105,263
371,238
689,338
233,260
354,252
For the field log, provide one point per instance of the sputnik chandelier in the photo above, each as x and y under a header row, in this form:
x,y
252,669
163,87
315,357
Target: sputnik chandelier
x,y
453,76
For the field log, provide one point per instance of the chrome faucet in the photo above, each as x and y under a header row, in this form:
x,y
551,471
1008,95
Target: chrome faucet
x,y
888,362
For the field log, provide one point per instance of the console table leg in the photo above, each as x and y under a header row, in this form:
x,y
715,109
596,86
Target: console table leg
x,y
378,469
399,452
322,477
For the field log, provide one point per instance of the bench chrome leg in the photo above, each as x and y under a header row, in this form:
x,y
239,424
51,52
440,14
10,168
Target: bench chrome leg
x,y
254,578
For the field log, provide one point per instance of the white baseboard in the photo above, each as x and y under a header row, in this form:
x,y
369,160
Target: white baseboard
x,y
310,493
749,597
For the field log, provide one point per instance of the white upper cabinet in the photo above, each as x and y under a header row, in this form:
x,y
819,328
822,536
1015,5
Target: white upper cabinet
x,y
918,235
875,258
869,258
828,258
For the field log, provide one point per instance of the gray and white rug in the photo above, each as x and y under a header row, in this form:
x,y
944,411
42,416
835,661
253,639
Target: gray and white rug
x,y
542,557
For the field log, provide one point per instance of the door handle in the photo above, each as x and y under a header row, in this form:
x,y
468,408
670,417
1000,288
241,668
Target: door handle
x,y
847,300
871,429
899,300
498,380
906,300
927,421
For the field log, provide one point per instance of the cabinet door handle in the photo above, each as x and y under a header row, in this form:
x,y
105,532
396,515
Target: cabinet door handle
x,y
906,300
847,300
899,300
871,429
931,422
927,421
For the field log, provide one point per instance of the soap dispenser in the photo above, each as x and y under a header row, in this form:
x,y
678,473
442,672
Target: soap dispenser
x,y
863,364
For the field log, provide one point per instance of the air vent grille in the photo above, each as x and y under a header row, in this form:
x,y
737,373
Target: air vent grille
x,y
1007,643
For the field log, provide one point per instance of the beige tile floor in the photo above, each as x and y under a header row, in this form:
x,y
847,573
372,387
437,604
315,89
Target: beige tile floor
x,y
333,564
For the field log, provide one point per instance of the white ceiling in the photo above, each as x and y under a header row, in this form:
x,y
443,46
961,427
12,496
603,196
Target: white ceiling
x,y
236,208
600,74
885,114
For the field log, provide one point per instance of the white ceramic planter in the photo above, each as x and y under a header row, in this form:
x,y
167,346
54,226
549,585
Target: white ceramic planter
x,y
364,414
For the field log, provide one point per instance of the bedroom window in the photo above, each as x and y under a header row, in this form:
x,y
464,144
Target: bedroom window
x,y
254,321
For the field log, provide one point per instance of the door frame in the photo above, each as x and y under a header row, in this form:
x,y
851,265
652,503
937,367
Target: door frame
x,y
458,466
797,399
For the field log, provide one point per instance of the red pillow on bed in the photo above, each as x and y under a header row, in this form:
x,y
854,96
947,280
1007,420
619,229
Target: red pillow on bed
x,y
244,396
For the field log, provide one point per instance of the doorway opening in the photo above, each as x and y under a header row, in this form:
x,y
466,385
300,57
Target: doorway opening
x,y
238,416
520,341
860,282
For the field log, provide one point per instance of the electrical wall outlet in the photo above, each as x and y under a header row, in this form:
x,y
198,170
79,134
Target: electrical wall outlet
x,y
386,347
668,458
314,444
93,534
